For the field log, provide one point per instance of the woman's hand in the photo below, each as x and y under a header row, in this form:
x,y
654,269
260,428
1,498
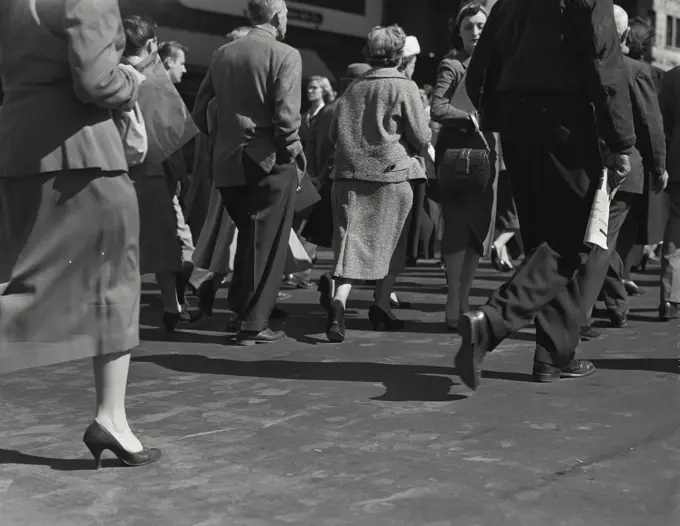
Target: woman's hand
x,y
127,67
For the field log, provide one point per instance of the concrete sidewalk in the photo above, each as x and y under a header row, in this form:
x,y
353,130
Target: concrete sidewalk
x,y
375,431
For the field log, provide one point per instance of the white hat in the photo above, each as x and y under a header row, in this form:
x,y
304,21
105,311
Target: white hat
x,y
411,47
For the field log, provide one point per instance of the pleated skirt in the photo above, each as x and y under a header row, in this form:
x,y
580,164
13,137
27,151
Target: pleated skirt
x,y
69,267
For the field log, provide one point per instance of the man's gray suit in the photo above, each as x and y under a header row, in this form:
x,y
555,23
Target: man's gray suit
x,y
257,84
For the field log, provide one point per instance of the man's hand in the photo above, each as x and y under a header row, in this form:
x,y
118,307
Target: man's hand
x,y
619,168
660,184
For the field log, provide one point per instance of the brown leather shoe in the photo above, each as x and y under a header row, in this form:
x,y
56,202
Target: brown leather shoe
x,y
264,336
474,329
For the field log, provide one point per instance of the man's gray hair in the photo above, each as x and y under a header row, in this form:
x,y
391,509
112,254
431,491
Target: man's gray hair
x,y
262,11
621,19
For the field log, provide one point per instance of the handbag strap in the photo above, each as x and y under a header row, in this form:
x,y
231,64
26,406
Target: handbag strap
x,y
461,100
479,132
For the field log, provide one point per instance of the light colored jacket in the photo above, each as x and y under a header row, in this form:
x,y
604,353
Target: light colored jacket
x,y
380,129
257,85
59,69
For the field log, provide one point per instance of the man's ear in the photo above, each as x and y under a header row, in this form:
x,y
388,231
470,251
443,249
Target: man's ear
x,y
624,37
275,21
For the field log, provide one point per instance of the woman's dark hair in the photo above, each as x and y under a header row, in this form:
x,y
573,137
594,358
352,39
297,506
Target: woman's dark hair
x,y
640,39
466,11
385,46
138,31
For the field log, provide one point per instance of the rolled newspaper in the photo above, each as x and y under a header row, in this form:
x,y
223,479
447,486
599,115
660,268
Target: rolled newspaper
x,y
598,222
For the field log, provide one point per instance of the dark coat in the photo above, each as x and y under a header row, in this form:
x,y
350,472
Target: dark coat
x,y
56,113
670,110
257,83
548,48
320,153
648,160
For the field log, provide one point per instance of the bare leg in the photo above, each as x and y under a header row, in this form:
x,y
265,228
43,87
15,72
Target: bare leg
x,y
470,264
342,289
110,380
501,248
166,282
503,238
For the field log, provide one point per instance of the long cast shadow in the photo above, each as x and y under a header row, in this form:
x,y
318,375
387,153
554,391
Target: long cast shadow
x,y
11,456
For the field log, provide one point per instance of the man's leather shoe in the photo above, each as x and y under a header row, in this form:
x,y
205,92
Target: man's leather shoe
x,y
669,311
283,296
590,333
576,369
619,321
264,336
474,330
632,288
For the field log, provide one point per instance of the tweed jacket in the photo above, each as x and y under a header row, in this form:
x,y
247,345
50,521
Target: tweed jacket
x,y
257,85
379,128
59,70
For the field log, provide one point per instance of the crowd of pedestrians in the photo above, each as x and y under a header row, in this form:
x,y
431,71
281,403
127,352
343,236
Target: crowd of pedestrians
x,y
506,146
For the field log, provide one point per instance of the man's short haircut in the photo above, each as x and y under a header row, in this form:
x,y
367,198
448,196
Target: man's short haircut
x,y
640,39
169,50
138,31
237,33
262,11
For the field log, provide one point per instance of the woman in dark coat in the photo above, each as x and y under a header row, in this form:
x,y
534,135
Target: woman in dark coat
x,y
69,223
467,215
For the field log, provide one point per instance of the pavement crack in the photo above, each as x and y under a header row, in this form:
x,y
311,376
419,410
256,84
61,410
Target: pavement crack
x,y
583,465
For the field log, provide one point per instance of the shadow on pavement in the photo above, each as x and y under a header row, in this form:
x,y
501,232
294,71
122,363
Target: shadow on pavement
x,y
11,456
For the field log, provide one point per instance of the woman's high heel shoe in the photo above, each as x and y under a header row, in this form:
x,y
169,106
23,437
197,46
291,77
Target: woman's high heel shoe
x,y
97,439
336,322
378,316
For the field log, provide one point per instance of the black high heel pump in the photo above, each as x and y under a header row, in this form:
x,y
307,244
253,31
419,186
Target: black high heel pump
x,y
378,316
97,439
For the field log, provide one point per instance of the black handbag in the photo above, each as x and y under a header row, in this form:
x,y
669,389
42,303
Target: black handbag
x,y
306,197
469,167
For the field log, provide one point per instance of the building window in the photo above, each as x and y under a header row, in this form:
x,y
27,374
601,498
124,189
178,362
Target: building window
x,y
672,32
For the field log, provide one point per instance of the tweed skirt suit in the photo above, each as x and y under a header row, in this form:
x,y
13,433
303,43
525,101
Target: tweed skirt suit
x,y
69,223
379,128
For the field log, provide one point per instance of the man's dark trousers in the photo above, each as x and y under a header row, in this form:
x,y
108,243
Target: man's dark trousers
x,y
551,152
263,213
603,264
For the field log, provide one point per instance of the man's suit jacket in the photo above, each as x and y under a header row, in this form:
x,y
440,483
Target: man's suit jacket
x,y
59,69
649,155
257,84
670,109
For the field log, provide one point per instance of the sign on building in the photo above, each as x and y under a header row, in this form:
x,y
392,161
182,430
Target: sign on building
x,y
346,17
